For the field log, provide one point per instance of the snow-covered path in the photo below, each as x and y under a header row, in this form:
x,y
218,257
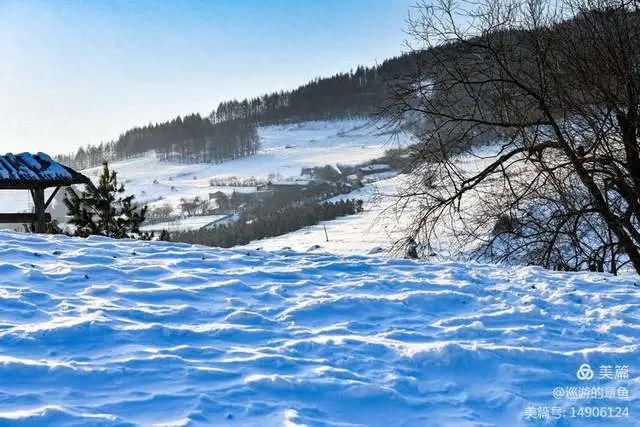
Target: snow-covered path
x,y
101,332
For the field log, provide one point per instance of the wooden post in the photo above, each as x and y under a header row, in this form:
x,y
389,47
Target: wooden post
x,y
38,202
325,232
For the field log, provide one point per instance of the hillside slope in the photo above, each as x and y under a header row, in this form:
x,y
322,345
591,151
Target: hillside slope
x,y
386,221
285,149
103,332
374,230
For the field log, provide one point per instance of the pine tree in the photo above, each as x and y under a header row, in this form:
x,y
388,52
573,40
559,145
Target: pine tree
x,y
105,212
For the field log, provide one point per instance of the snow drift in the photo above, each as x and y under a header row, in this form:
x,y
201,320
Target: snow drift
x,y
103,332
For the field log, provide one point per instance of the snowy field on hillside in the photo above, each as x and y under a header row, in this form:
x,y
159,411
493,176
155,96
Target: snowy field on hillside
x,y
185,224
116,333
386,219
285,150
372,231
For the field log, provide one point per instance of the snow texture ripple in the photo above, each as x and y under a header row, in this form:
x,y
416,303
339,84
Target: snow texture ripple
x,y
115,333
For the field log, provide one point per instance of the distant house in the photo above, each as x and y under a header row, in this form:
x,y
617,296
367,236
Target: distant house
x,y
375,168
353,179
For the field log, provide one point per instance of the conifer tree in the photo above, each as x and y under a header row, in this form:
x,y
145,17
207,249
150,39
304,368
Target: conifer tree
x,y
106,211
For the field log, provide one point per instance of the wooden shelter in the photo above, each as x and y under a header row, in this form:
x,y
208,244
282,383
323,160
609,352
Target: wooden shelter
x,y
35,172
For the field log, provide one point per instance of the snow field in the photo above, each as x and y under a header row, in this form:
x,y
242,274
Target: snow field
x,y
386,219
372,231
285,150
118,333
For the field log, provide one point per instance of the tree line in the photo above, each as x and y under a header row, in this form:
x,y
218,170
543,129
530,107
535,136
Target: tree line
x,y
189,139
281,221
230,131
357,93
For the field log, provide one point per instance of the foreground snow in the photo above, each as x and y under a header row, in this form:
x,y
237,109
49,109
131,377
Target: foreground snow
x,y
101,332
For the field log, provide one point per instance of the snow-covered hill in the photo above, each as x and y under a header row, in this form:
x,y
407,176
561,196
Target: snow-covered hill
x,y
385,221
102,332
285,150
373,231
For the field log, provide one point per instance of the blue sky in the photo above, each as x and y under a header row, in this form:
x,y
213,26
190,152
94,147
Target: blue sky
x,y
79,72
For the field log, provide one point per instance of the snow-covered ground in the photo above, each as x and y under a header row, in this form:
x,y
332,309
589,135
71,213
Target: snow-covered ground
x,y
372,231
102,332
285,150
184,224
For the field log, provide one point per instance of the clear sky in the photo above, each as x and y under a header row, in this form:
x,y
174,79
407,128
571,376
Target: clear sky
x,y
80,72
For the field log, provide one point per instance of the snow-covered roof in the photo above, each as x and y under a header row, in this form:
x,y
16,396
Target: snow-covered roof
x,y
25,170
375,167
377,176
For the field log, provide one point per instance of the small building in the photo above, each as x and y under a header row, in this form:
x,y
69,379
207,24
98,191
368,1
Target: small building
x,y
353,179
36,173
372,169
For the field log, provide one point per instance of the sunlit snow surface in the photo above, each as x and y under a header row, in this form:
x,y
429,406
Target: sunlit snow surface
x,y
99,332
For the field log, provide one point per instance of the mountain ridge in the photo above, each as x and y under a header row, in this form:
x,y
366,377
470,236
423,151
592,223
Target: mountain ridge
x,y
229,131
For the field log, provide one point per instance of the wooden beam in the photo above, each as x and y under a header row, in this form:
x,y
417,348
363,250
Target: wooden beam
x,y
20,218
27,185
46,205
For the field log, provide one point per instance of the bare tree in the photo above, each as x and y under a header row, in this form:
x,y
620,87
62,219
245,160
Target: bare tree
x,y
557,86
